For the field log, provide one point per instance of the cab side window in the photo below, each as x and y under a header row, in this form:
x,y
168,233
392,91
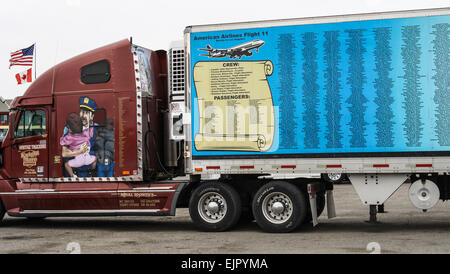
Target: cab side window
x,y
31,123
97,72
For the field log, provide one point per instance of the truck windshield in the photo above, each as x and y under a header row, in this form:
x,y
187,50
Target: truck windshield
x,y
4,117
31,123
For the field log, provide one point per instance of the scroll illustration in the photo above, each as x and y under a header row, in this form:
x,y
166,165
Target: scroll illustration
x,y
235,105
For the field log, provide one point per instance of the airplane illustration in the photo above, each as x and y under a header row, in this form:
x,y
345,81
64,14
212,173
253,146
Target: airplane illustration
x,y
236,51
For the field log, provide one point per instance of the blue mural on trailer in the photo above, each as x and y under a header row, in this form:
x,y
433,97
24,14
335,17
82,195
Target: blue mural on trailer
x,y
286,48
310,97
441,77
356,80
383,85
333,97
363,86
412,87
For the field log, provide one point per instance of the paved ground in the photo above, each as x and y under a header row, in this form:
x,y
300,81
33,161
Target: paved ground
x,y
403,229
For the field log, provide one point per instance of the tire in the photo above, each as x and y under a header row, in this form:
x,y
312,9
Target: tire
x,y
335,178
215,207
279,207
320,201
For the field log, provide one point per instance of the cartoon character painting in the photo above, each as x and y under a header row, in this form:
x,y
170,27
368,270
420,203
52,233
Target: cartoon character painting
x,y
76,138
87,147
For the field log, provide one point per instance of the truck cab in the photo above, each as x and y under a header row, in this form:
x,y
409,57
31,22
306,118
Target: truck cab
x,y
86,138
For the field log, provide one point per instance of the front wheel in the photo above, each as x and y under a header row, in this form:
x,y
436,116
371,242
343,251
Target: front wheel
x,y
279,207
215,207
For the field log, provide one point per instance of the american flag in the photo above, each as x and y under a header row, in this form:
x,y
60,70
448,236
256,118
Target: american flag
x,y
22,57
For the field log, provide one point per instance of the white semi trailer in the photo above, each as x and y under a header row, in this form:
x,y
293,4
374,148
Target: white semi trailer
x,y
363,95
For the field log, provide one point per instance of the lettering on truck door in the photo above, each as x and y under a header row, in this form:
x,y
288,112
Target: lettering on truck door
x,y
30,145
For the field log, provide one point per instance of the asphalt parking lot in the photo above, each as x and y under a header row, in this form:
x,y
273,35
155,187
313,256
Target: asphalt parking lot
x,y
403,229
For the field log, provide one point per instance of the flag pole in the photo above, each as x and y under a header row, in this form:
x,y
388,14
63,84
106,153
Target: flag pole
x,y
35,60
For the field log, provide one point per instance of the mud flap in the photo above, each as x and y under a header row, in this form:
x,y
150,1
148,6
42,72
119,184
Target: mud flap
x,y
312,189
331,209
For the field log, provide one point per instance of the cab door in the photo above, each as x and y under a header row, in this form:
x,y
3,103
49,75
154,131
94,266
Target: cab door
x,y
30,145
29,154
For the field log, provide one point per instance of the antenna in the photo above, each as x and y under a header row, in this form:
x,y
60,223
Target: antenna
x,y
35,60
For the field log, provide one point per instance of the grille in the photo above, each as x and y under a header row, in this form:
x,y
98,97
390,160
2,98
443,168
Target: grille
x,y
177,75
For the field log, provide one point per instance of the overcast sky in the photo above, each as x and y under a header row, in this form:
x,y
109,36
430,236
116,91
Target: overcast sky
x,y
62,29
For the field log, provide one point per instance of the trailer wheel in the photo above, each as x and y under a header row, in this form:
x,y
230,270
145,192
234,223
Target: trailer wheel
x,y
335,178
215,207
279,207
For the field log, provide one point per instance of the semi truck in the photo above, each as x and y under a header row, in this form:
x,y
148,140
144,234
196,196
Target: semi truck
x,y
238,121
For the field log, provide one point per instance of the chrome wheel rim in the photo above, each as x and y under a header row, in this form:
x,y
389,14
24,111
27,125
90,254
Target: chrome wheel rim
x,y
277,207
334,176
212,207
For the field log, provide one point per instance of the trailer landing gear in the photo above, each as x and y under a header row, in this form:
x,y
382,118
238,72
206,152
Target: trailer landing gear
x,y
373,214
375,189
381,209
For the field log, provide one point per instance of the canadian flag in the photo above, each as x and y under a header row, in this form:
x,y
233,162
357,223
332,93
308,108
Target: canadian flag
x,y
24,77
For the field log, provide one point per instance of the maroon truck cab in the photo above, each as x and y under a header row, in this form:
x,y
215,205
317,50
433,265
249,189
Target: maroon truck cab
x,y
86,136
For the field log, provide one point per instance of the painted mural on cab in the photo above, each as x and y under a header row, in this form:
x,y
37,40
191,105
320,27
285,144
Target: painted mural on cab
x,y
87,147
